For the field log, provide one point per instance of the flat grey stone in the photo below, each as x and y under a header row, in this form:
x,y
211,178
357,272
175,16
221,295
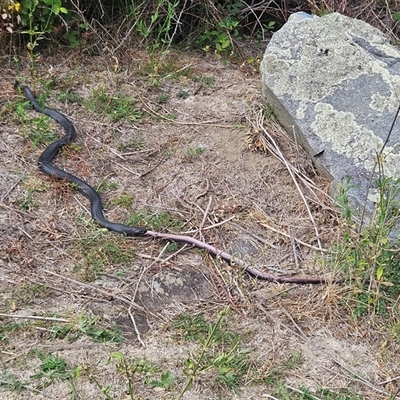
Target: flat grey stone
x,y
334,84
163,289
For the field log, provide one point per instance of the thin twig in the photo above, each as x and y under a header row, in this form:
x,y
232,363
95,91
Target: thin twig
x,y
277,152
260,239
34,317
127,169
107,147
294,238
97,289
301,392
357,378
388,381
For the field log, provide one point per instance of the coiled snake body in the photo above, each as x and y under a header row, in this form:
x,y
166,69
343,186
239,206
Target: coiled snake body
x,y
96,207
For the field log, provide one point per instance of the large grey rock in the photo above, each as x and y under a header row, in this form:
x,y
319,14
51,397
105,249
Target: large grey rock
x,y
334,83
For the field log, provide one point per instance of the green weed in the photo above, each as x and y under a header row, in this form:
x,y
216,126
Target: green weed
x,y
24,295
165,381
70,97
87,326
100,250
116,105
7,330
27,203
289,393
155,221
157,69
139,366
39,128
12,383
370,258
183,94
192,152
204,80
136,143
272,375
221,36
219,354
39,16
156,32
163,98
107,185
54,368
124,200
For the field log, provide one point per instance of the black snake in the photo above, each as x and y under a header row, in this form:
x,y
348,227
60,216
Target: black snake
x,y
96,207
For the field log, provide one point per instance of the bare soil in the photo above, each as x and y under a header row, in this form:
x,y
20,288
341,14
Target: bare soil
x,y
195,154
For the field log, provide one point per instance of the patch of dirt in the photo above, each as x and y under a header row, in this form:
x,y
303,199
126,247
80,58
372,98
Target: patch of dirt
x,y
191,155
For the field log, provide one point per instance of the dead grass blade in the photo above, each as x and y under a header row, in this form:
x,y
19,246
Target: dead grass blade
x,y
259,123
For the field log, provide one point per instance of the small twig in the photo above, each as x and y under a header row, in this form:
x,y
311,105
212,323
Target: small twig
x,y
294,238
81,204
301,392
97,289
178,70
158,258
277,153
127,169
388,381
34,317
203,221
357,378
107,147
25,233
213,123
152,168
131,316
260,239
11,188
205,191
295,256
294,323
277,321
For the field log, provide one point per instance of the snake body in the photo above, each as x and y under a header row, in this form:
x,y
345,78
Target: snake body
x,y
96,206
46,166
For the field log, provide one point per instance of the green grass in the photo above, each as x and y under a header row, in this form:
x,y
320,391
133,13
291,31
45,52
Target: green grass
x,y
183,94
107,185
12,383
26,294
38,129
219,357
158,68
32,185
163,98
156,221
285,392
8,330
100,250
136,143
115,105
195,151
369,259
85,326
51,368
125,201
207,81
